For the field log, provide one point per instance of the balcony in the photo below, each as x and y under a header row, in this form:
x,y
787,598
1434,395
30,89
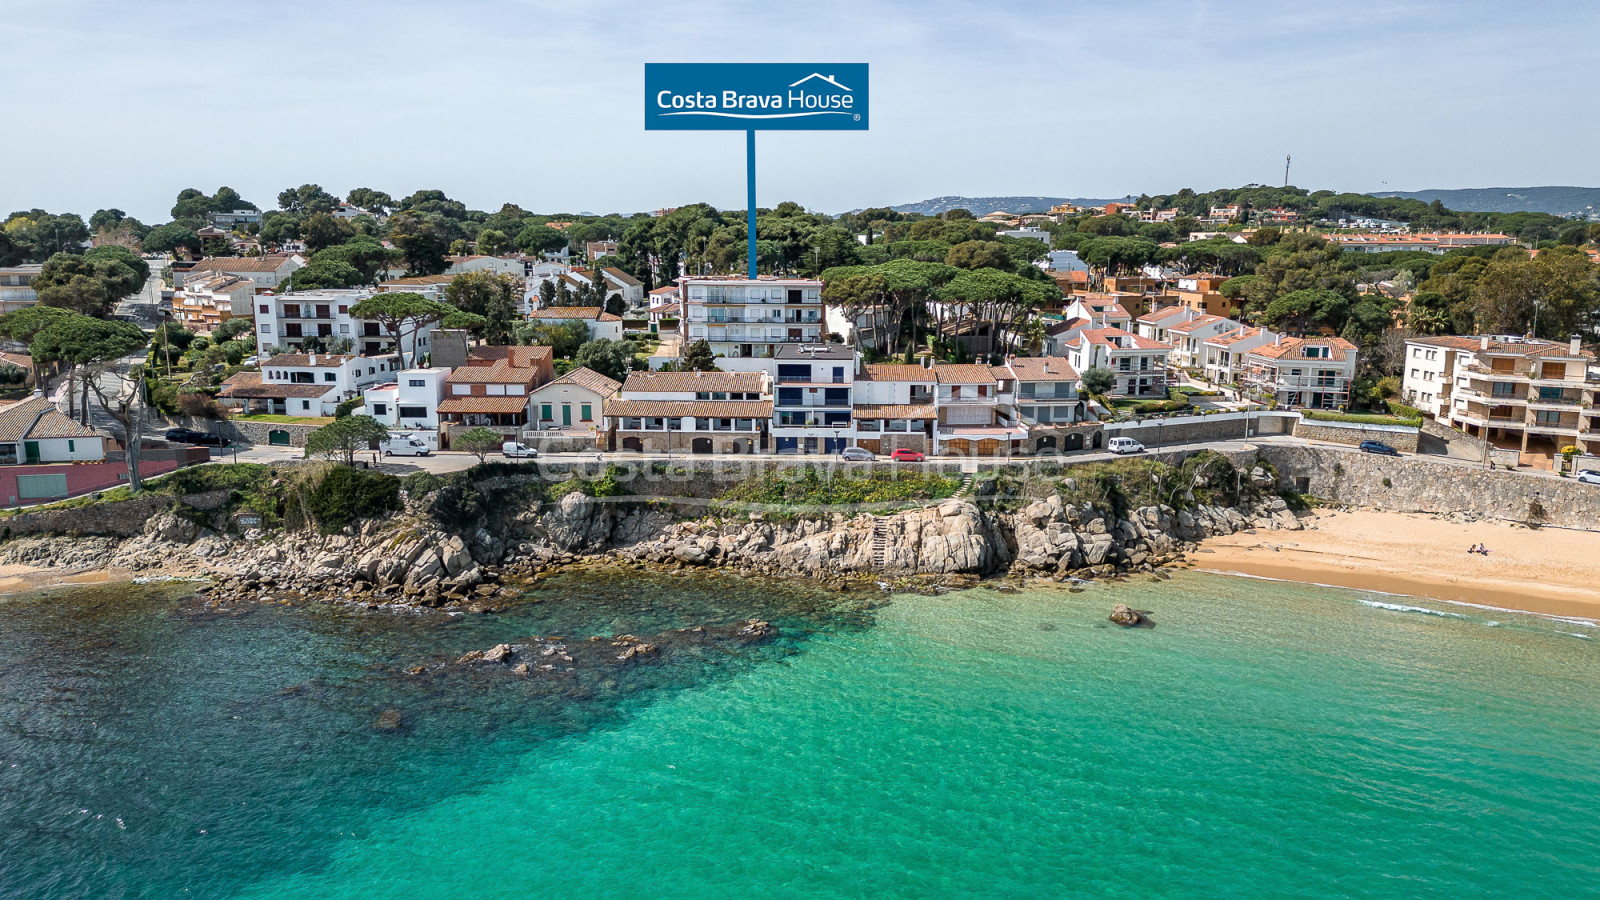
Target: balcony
x,y
1498,374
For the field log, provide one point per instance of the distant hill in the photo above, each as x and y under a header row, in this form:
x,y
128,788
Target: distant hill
x,y
982,206
1559,201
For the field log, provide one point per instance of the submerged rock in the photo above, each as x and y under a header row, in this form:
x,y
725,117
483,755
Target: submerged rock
x,y
389,720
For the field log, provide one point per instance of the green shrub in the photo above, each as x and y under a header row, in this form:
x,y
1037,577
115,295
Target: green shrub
x,y
344,494
1323,415
348,407
811,488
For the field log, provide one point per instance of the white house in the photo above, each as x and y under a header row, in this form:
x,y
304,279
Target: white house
x,y
1222,357
1313,372
573,404
1139,363
306,384
429,286
1103,310
600,323
1188,338
265,272
500,265
410,403
34,431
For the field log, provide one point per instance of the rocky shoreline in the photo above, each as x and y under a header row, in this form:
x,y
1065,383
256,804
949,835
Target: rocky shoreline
x,y
408,559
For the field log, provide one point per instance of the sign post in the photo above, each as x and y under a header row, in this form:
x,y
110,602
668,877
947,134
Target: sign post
x,y
755,96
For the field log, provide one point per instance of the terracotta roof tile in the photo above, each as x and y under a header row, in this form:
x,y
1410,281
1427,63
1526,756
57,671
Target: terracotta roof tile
x,y
464,404
1042,368
954,373
894,411
899,372
590,380
694,382
37,417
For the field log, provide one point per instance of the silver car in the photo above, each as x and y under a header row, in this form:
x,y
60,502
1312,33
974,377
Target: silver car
x,y
857,454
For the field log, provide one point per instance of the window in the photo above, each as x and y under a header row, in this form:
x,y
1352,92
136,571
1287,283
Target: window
x,y
415,382
1503,389
461,390
343,309
380,409
329,376
266,329
305,404
585,413
546,413
1547,416
301,378
344,328
265,308
412,412
72,446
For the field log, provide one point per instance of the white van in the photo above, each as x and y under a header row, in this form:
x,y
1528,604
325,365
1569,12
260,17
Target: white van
x,y
404,446
1124,445
516,450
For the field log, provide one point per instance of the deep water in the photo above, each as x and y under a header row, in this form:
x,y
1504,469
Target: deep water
x,y
1263,740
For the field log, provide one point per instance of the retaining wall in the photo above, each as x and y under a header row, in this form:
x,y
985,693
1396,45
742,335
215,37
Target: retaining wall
x,y
1399,437
1216,427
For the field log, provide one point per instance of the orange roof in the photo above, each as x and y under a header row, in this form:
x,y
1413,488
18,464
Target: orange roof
x,y
497,373
1294,348
693,382
516,356
1113,337
899,372
727,409
894,411
463,404
955,373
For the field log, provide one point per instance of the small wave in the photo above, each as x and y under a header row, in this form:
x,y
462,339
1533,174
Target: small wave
x,y
1401,607
1582,637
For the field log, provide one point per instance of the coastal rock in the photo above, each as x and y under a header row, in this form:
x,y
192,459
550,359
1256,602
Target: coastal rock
x,y
1127,618
389,720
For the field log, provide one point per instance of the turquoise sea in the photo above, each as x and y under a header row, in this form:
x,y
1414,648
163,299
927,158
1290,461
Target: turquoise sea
x,y
1263,740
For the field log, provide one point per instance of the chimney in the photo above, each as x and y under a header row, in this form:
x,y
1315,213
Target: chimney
x,y
313,359
1576,346
1277,341
1483,343
927,361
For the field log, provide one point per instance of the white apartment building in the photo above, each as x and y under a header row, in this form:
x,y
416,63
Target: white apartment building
x,y
1533,395
1139,363
741,317
1302,372
16,286
284,321
204,303
499,265
812,398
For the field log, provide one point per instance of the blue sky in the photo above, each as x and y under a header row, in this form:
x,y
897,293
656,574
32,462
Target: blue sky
x,y
125,103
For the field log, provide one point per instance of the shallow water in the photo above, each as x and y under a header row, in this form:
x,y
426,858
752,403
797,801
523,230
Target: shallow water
x,y
1264,739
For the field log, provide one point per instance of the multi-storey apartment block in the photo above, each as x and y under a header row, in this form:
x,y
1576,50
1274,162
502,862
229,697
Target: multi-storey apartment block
x,y
1533,395
1139,363
286,320
741,317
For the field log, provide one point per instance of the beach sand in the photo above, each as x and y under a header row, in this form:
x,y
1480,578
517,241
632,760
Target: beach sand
x,y
1547,570
15,577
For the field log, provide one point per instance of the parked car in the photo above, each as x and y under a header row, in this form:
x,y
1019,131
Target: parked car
x,y
404,446
1379,448
1589,476
1124,445
201,438
906,454
857,454
517,450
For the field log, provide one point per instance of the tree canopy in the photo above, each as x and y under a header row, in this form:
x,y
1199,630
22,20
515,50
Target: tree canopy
x,y
340,439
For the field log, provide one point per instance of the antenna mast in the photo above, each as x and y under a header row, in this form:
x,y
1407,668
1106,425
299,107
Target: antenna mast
x,y
1286,170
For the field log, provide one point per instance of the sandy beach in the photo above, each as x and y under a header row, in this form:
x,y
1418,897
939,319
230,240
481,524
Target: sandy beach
x,y
1547,570
15,577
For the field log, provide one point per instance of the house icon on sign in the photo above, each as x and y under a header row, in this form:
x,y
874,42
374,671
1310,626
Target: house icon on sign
x,y
820,77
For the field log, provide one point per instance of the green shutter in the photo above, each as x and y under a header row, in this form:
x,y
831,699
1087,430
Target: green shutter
x,y
586,412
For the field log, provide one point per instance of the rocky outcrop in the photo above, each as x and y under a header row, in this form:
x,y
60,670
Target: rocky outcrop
x,y
1122,615
409,559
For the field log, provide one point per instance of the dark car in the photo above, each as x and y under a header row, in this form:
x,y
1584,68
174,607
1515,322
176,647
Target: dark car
x,y
201,438
1378,447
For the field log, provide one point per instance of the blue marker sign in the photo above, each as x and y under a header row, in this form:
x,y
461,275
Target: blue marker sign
x,y
750,96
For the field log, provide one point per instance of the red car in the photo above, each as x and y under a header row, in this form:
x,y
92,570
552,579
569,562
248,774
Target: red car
x,y
906,455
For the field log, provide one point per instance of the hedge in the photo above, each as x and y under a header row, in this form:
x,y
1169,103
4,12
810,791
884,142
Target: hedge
x,y
1322,415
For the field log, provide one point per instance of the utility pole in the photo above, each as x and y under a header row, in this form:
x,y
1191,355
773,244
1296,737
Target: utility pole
x,y
1286,170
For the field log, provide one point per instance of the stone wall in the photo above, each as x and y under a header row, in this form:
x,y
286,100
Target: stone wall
x,y
260,432
1399,437
1215,427
122,519
1410,484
